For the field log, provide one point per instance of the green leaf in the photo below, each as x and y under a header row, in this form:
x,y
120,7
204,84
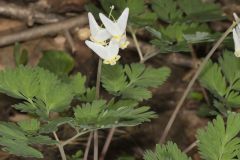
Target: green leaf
x,y
56,95
78,83
41,140
88,113
212,78
218,141
146,77
53,125
113,78
144,19
11,131
136,7
154,32
19,83
167,10
170,151
58,62
233,99
136,93
89,95
30,125
25,107
24,150
20,56
97,115
198,11
230,66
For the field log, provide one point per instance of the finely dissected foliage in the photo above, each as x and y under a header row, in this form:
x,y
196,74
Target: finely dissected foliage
x,y
220,142
169,151
58,62
186,24
25,133
223,81
98,114
132,81
43,92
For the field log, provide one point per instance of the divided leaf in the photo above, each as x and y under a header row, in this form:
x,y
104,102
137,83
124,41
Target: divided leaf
x,y
170,151
58,62
132,81
97,115
218,141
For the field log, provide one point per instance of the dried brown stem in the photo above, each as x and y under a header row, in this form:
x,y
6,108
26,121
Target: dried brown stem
x,y
29,14
43,30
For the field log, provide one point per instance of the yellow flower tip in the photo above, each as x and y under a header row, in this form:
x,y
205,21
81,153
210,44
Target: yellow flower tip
x,y
124,45
112,61
117,37
97,41
237,53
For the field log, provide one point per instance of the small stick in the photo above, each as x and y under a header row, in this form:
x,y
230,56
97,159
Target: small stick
x,y
29,14
95,137
107,143
88,146
43,30
190,147
136,44
191,83
60,147
70,41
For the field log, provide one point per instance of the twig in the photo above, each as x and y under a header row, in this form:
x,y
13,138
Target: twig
x,y
60,147
95,138
180,103
190,147
133,33
88,146
150,55
70,41
43,30
107,143
29,14
73,138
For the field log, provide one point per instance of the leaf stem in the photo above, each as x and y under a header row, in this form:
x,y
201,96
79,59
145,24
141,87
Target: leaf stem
x,y
133,33
95,138
181,101
190,147
107,143
60,147
88,146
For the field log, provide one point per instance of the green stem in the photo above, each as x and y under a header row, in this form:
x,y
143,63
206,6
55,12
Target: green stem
x,y
133,33
181,101
60,147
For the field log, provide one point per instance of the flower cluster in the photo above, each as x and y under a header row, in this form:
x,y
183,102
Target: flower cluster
x,y
236,36
105,42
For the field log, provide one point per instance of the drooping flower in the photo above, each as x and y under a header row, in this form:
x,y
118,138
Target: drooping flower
x,y
108,53
236,37
117,28
98,34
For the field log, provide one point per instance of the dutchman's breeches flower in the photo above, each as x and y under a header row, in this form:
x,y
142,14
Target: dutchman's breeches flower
x,y
117,28
115,31
236,37
108,53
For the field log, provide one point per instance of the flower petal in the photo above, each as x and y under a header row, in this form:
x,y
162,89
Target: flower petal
x,y
111,27
122,20
94,27
100,50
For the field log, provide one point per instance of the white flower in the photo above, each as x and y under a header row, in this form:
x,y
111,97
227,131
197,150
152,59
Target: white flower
x,y
117,28
98,34
108,53
236,37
